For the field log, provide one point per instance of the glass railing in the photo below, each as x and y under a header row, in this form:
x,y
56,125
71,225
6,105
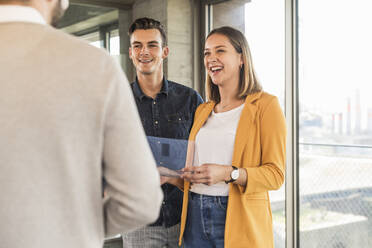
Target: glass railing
x,y
335,192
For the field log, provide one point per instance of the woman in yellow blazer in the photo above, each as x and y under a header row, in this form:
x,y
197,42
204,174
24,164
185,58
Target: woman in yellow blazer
x,y
240,138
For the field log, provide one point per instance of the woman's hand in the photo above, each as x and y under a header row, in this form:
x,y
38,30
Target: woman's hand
x,y
208,174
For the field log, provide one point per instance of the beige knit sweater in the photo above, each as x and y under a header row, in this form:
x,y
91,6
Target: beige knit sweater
x,y
67,120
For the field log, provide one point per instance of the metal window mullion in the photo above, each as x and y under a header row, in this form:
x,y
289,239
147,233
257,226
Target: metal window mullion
x,y
206,25
209,23
104,34
108,41
291,109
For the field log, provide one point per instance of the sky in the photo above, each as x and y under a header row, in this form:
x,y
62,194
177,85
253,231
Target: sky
x,y
335,51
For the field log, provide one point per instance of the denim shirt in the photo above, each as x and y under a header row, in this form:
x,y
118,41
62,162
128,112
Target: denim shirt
x,y
169,115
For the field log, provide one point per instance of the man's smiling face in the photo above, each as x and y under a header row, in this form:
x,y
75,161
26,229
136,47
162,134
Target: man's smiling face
x,y
146,51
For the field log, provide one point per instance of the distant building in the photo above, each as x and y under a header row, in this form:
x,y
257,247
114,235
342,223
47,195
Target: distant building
x,y
358,114
348,117
369,120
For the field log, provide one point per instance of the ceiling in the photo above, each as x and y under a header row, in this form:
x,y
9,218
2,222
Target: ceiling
x,y
82,10
78,13
120,4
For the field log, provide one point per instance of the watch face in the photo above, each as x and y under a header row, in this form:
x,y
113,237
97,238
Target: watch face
x,y
235,174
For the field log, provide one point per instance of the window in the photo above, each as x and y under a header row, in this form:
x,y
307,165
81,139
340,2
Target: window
x,y
114,43
93,39
335,123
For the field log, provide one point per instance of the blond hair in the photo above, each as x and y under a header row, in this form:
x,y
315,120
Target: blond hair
x,y
248,82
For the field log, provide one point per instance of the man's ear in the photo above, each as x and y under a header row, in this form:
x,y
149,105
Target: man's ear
x,y
165,52
130,52
65,4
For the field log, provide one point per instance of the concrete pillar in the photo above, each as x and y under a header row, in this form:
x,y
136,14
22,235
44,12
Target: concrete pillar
x,y
125,19
156,9
176,16
231,13
180,60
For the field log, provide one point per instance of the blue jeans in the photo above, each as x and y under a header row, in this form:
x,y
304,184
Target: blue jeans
x,y
205,224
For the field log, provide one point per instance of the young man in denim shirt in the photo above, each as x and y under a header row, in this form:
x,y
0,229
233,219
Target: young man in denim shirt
x,y
166,110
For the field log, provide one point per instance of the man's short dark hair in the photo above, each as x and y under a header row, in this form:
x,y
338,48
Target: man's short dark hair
x,y
148,23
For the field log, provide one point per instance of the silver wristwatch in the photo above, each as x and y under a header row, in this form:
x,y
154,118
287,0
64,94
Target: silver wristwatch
x,y
234,175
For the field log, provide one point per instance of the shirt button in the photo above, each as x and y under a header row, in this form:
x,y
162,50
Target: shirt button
x,y
156,122
154,102
163,202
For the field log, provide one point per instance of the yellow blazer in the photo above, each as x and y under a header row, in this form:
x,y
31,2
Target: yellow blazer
x,y
260,150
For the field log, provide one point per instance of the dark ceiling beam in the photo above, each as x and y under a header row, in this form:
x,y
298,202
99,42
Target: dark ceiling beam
x,y
215,1
222,1
103,3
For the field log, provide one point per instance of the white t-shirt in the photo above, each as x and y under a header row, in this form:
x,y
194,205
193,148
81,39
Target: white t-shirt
x,y
214,144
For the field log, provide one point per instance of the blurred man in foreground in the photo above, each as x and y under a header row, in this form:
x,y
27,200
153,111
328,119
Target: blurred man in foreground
x,y
67,119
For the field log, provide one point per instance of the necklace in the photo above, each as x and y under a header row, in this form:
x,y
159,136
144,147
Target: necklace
x,y
225,106
222,108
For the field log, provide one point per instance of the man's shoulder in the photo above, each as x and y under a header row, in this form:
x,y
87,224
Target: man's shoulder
x,y
78,54
70,43
79,57
180,88
47,38
132,85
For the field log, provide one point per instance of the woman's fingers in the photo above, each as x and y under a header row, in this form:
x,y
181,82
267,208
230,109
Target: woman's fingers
x,y
207,174
196,175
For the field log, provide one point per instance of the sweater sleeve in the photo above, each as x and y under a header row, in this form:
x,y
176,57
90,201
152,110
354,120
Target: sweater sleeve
x,y
133,192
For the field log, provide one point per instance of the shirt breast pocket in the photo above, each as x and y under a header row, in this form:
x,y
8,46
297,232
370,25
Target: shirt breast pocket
x,y
179,125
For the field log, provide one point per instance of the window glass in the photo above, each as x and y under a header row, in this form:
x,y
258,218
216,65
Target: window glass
x,y
335,123
93,39
114,42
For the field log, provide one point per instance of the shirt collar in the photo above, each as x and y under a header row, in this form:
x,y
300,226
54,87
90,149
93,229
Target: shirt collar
x,y
16,13
137,91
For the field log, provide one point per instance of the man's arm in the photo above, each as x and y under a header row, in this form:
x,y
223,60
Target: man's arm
x,y
133,192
